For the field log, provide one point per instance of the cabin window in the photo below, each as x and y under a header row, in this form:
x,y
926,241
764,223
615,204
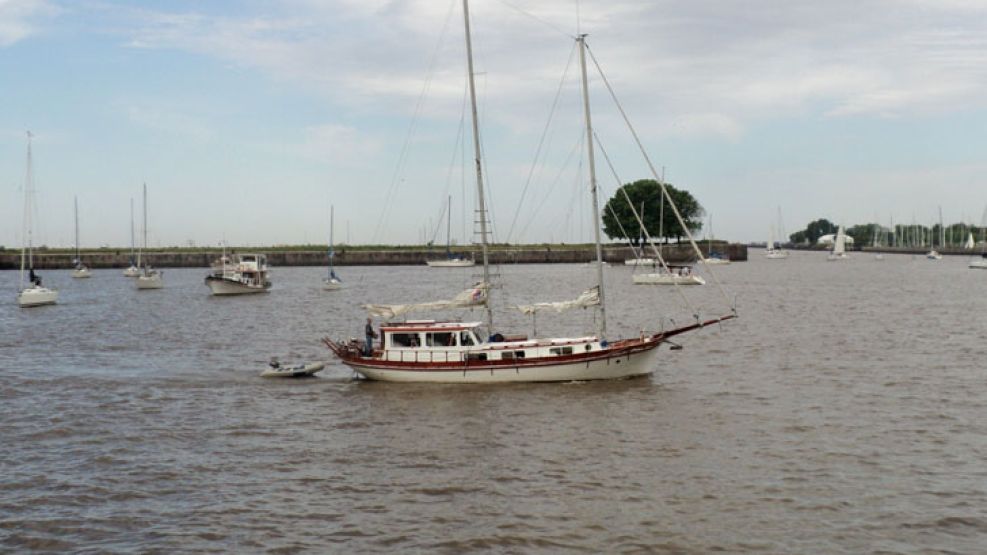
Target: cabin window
x,y
507,355
466,339
476,356
519,354
404,340
561,350
444,339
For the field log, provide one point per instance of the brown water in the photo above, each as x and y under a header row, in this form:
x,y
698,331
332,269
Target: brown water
x,y
844,412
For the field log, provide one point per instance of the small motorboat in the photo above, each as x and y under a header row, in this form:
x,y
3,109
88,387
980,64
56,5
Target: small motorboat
x,y
276,370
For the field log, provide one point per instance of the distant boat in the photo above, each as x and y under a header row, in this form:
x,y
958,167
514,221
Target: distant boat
x,y
80,270
332,281
933,254
679,275
149,277
451,260
839,246
248,274
980,262
712,256
276,370
134,269
32,293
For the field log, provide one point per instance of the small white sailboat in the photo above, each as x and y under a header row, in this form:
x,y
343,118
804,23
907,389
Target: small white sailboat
x,y
451,260
980,262
332,281
774,253
247,274
149,278
839,246
933,254
677,275
80,270
713,256
134,269
32,292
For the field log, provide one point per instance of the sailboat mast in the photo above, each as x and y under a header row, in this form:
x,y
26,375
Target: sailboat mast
x,y
145,217
449,227
27,256
602,321
131,231
332,227
479,173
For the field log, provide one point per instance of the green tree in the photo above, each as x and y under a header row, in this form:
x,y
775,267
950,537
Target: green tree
x,y
813,231
648,193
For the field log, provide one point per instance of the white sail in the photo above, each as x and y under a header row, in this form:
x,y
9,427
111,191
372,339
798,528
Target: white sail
x,y
839,245
588,298
969,244
474,296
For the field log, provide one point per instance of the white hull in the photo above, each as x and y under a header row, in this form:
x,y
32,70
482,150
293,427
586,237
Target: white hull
x,y
776,255
451,263
221,286
716,261
878,257
667,279
636,364
296,371
82,272
933,255
837,257
978,264
331,284
153,281
640,262
132,272
37,296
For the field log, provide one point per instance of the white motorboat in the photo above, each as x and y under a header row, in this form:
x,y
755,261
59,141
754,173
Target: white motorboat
x,y
80,270
149,278
455,352
276,370
247,274
32,292
839,247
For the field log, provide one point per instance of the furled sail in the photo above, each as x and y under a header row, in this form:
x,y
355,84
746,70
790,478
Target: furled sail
x,y
589,297
474,296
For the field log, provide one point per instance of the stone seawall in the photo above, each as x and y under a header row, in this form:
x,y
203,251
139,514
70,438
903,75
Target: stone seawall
x,y
10,260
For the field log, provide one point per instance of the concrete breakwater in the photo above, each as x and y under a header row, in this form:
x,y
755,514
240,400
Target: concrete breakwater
x,y
548,254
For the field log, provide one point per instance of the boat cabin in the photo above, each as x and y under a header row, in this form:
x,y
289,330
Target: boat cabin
x,y
431,341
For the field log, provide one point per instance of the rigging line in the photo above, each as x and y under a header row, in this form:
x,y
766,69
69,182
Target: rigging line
x,y
412,127
541,141
640,222
576,147
538,19
661,182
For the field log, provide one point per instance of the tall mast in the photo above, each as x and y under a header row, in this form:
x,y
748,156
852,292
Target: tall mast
x,y
145,217
131,231
602,321
479,172
27,256
331,228
449,227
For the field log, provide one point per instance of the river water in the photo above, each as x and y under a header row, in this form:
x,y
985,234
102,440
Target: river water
x,y
844,412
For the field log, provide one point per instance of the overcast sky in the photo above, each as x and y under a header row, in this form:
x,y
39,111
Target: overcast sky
x,y
248,119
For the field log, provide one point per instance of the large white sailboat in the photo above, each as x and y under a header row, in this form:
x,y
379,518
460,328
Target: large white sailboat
x,y
456,352
332,281
32,292
80,270
839,247
149,278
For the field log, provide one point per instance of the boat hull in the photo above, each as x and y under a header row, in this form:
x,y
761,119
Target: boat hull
x,y
298,371
604,366
451,263
640,262
667,279
331,284
81,273
837,257
150,282
978,264
37,296
132,271
776,255
222,286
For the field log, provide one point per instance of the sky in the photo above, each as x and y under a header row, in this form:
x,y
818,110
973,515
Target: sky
x,y
249,119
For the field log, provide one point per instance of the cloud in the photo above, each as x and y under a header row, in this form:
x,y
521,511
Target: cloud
x,y
169,120
16,17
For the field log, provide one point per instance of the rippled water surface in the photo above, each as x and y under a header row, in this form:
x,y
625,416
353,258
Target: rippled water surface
x,y
844,412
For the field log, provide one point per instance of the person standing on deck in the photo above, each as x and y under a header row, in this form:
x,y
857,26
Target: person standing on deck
x,y
368,346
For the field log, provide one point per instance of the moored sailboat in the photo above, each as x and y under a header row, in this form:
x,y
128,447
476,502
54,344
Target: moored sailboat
x,y
456,352
451,260
839,247
332,281
149,278
32,292
134,269
80,270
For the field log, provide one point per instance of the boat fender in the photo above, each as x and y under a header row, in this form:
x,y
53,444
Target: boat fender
x,y
604,343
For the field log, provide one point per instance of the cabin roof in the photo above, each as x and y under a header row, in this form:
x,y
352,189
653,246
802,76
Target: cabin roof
x,y
428,325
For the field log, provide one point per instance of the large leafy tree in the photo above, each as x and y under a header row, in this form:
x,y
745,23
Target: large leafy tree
x,y
814,231
648,193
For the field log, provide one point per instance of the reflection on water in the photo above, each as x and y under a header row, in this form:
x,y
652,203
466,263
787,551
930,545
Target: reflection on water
x,y
843,412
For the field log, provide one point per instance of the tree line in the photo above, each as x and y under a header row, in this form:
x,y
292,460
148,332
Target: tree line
x,y
901,235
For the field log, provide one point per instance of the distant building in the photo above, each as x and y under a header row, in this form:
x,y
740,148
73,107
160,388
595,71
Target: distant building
x,y
828,240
